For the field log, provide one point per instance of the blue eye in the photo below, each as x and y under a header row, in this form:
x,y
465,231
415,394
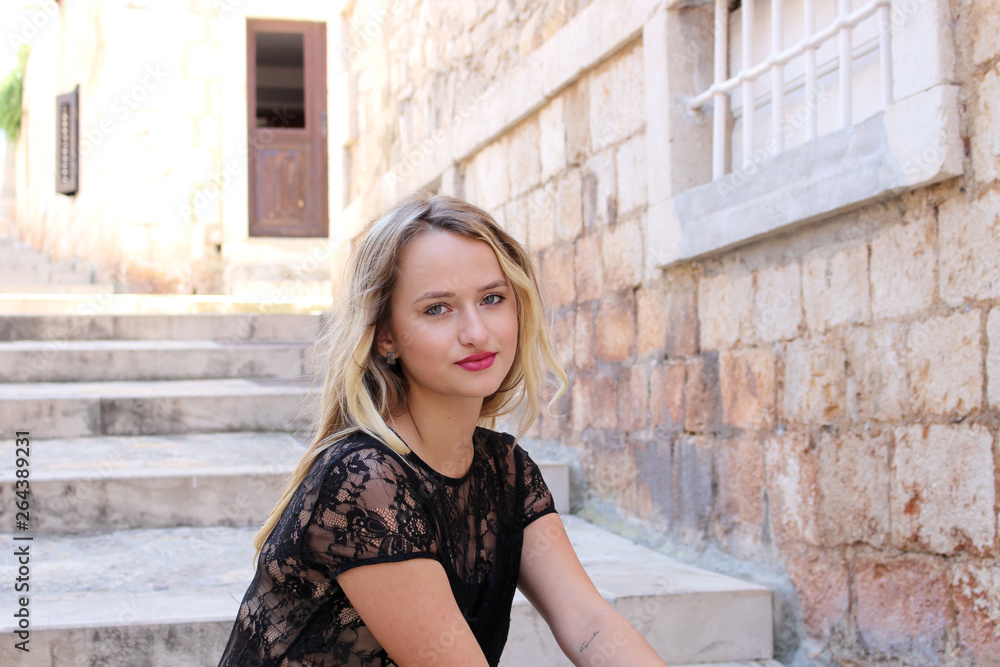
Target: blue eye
x,y
494,299
436,309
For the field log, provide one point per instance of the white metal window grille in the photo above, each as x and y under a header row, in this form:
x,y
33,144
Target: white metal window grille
x,y
813,68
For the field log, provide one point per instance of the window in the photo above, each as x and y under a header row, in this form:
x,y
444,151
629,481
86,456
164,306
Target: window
x,y
865,108
826,78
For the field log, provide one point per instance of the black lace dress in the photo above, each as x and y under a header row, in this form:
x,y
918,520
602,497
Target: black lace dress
x,y
363,503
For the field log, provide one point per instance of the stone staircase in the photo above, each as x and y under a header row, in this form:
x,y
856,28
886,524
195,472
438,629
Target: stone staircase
x,y
24,270
158,444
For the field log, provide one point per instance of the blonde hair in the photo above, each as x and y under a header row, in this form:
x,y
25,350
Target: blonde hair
x,y
361,389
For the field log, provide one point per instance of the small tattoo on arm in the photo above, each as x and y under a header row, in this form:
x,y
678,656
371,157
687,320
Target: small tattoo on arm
x,y
583,647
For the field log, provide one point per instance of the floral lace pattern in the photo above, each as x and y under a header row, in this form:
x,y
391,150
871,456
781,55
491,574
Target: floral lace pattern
x,y
361,504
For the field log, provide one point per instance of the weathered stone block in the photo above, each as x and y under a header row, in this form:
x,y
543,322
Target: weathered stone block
x,y
747,383
993,357
569,205
985,140
633,398
985,25
617,105
693,474
682,313
777,311
969,254
651,320
945,363
814,388
792,487
608,466
576,120
632,175
623,254
821,578
487,182
725,311
585,338
600,198
604,400
616,327
902,267
835,289
515,218
552,138
878,385
557,274
589,267
854,485
541,205
977,599
902,605
563,331
739,464
702,402
581,400
943,489
666,395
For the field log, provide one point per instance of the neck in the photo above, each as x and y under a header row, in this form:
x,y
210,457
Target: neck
x,y
440,432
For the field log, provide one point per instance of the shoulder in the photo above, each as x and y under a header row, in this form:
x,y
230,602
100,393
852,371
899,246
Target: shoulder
x,y
359,455
505,448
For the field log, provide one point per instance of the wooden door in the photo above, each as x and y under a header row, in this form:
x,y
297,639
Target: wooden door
x,y
286,90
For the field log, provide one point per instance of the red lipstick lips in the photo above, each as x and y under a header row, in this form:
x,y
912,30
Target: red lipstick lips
x,y
477,362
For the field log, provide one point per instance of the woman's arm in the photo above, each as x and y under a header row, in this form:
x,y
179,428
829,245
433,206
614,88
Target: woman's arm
x,y
589,631
411,611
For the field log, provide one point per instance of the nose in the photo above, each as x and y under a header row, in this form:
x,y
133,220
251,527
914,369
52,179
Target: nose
x,y
474,332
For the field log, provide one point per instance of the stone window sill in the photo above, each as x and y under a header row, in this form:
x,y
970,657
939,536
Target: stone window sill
x,y
915,142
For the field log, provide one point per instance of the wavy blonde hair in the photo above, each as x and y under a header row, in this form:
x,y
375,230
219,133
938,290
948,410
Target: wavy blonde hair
x,y
361,389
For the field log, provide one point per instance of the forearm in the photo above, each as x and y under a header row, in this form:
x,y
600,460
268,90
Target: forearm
x,y
610,640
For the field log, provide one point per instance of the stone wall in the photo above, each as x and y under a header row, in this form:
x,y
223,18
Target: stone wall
x,y
817,411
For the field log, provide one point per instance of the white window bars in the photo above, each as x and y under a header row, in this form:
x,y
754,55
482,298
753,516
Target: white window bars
x,y
841,26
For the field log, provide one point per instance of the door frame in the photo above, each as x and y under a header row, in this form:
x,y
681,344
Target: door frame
x,y
313,135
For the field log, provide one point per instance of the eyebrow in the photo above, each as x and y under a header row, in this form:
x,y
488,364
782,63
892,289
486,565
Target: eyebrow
x,y
444,295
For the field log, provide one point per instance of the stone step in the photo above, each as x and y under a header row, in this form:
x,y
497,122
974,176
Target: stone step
x,y
159,304
168,597
81,485
42,274
82,409
97,324
32,290
107,360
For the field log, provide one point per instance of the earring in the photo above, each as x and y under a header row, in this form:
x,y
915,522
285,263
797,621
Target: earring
x,y
390,358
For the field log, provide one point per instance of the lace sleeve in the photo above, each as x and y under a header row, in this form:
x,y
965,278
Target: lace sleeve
x,y
537,497
368,512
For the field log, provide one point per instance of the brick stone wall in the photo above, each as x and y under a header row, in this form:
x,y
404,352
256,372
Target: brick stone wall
x,y
822,405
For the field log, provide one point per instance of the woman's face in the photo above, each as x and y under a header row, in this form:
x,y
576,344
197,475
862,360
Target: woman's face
x,y
453,318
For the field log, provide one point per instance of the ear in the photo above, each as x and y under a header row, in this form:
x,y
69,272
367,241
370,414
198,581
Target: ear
x,y
384,341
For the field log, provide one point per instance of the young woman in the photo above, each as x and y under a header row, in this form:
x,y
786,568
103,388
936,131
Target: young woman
x,y
408,524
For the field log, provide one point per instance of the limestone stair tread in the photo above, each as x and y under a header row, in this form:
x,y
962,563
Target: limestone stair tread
x,y
207,388
81,409
185,575
92,484
148,456
119,360
61,305
32,288
94,320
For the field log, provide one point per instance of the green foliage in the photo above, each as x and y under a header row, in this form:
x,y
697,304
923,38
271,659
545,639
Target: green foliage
x,y
11,89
